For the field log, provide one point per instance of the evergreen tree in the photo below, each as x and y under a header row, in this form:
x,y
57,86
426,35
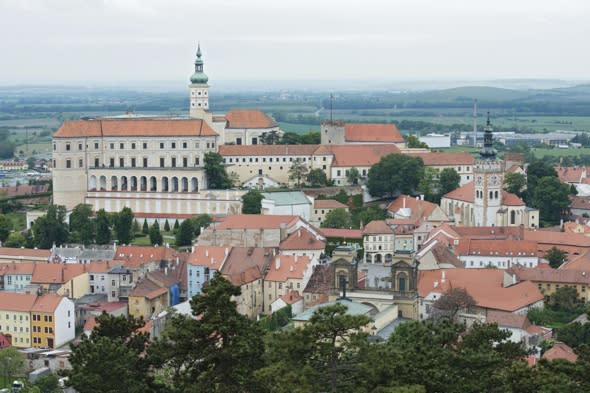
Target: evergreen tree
x,y
176,225
155,235
135,227
252,202
51,229
166,226
145,229
123,225
5,227
184,235
103,227
217,177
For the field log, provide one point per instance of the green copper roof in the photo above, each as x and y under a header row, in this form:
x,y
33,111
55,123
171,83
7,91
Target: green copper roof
x,y
488,152
199,76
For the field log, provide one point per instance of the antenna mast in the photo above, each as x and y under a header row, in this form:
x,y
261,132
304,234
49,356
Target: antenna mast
x,y
331,108
475,122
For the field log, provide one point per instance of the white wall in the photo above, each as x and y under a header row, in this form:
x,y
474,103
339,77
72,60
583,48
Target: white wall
x,y
65,329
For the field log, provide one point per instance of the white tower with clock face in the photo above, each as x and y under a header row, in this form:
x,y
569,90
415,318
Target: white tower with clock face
x,y
488,177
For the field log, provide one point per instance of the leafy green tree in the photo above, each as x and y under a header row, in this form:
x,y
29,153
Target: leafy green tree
x,y
252,202
114,348
82,225
202,221
12,363
428,185
337,218
51,229
551,197
574,334
311,138
217,177
448,180
451,302
145,229
135,227
353,176
395,173
414,142
103,227
555,256
48,384
515,183
270,138
366,215
317,178
5,227
184,235
166,226
123,224
216,352
536,170
297,171
155,235
15,240
565,298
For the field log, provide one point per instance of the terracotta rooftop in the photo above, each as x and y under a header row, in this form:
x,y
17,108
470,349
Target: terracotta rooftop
x,y
90,324
134,257
249,118
23,253
17,268
246,264
465,193
484,285
508,319
571,174
321,280
210,256
256,221
515,233
509,199
47,303
419,208
580,202
148,289
560,351
372,133
377,227
267,150
14,301
287,267
134,127
553,275
328,204
359,155
341,233
302,239
292,297
445,158
503,247
57,273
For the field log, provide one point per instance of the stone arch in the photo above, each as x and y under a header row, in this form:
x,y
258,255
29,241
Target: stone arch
x,y
133,183
194,184
174,184
124,183
388,258
102,183
165,185
153,184
143,183
369,258
184,184
114,183
378,258
92,183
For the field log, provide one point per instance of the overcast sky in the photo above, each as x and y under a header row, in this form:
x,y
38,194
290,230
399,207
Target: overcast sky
x,y
56,41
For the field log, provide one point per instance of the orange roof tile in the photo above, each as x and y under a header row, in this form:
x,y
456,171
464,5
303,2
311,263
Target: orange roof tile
x,y
420,208
341,233
445,158
267,150
23,253
57,273
359,155
13,301
90,323
134,127
372,133
553,275
246,264
148,289
210,256
328,204
509,199
508,319
515,233
285,267
560,351
302,239
502,247
256,221
17,268
580,202
484,285
291,298
47,303
377,227
465,193
135,256
571,174
249,118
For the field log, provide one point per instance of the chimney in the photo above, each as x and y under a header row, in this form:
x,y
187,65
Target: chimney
x,y
226,251
404,201
443,277
299,232
207,252
277,263
192,249
212,260
166,270
291,268
295,258
436,284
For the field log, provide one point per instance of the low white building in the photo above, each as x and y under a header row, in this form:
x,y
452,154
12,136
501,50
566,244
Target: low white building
x,y
289,203
500,254
435,141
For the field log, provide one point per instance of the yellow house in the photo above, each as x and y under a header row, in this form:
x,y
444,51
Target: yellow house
x,y
71,280
550,280
52,321
15,321
147,298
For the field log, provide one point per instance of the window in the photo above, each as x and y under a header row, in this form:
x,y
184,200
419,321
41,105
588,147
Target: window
x,y
338,172
92,277
145,162
173,162
184,162
197,161
133,163
145,145
68,163
133,145
121,146
112,146
161,145
173,145
79,146
68,147
80,163
184,145
96,162
238,141
121,162
161,162
54,147
111,162
113,282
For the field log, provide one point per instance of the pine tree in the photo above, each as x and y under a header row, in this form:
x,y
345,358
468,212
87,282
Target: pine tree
x,y
145,229
166,226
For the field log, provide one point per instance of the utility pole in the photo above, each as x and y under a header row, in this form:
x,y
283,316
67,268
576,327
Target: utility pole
x,y
331,108
475,122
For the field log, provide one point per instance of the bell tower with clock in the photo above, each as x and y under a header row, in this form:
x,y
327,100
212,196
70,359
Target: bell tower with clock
x,y
488,177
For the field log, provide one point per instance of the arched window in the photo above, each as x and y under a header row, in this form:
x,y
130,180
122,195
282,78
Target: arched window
x,y
194,185
153,184
512,217
103,183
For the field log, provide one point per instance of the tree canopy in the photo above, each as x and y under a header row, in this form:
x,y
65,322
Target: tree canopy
x,y
82,224
103,227
252,202
317,178
555,256
297,171
155,234
551,197
5,227
217,177
123,225
394,174
51,228
184,234
337,218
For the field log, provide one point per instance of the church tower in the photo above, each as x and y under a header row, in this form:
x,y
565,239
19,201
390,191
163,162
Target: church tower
x,y
488,173
199,90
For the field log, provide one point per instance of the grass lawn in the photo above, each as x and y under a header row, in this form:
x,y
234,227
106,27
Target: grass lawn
x,y
168,237
18,220
540,153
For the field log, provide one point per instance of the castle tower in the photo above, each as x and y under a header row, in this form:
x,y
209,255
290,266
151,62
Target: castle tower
x,y
199,90
488,175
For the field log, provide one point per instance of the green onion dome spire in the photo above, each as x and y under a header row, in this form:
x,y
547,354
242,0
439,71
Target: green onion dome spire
x,y
199,76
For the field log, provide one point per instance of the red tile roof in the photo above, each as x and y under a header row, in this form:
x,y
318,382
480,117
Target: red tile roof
x,y
17,268
134,257
359,155
553,275
291,298
560,351
47,303
341,233
24,253
90,324
287,267
13,301
571,174
246,264
134,127
509,199
210,256
508,319
248,118
148,289
465,193
256,221
57,273
445,158
377,227
328,204
484,285
302,239
500,248
420,208
572,243
372,133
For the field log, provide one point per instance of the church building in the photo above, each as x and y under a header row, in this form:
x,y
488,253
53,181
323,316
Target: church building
x,y
483,202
